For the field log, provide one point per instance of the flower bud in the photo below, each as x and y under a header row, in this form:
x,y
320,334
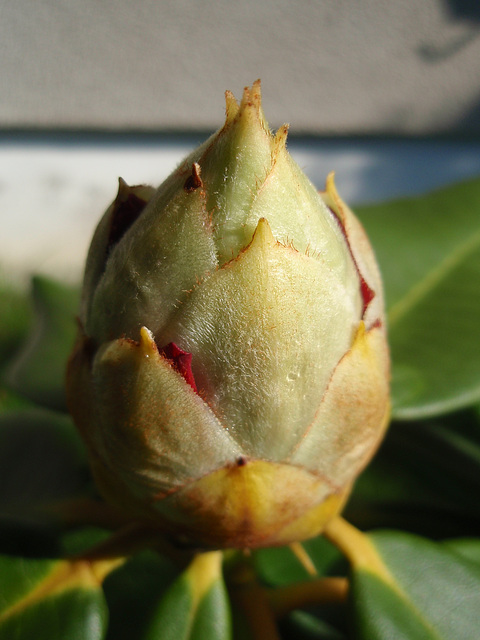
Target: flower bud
x,y
230,377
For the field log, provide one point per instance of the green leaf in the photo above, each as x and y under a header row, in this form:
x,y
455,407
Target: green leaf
x,y
279,566
302,625
468,548
81,540
133,593
50,600
416,590
38,372
425,478
429,254
42,461
196,605
11,401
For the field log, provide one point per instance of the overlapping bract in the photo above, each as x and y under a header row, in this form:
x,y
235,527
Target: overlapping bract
x,y
230,377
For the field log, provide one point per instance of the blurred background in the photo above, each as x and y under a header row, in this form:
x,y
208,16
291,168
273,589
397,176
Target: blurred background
x,y
387,94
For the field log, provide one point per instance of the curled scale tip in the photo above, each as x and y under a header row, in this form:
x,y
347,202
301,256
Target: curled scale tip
x,y
330,187
194,181
332,199
123,190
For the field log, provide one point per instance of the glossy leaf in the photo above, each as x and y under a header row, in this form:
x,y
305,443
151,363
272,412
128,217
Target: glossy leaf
x,y
75,541
425,478
429,253
42,461
468,548
417,590
50,600
301,625
11,401
196,606
133,593
279,566
38,371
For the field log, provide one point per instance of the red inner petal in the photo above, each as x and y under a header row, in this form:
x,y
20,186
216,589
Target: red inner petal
x,y
368,293
181,361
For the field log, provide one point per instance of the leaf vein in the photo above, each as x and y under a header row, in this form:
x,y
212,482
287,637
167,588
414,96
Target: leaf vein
x,y
432,279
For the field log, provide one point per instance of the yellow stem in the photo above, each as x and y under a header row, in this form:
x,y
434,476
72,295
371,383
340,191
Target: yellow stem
x,y
295,596
102,568
302,556
356,546
251,601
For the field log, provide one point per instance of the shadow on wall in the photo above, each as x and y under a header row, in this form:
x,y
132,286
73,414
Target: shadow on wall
x,y
463,9
466,12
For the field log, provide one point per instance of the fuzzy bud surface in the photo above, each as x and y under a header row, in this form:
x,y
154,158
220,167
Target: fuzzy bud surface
x,y
230,377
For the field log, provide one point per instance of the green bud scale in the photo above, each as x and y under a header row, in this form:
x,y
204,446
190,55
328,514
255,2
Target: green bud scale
x,y
230,377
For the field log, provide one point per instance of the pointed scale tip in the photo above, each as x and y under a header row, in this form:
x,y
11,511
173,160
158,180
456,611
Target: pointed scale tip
x,y
330,187
252,96
332,199
231,107
252,104
280,139
263,234
142,192
256,92
123,190
147,342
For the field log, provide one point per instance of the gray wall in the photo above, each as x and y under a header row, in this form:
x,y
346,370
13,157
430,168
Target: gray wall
x,y
337,66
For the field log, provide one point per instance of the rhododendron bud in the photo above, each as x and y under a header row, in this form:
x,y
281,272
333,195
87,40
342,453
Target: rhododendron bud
x,y
230,377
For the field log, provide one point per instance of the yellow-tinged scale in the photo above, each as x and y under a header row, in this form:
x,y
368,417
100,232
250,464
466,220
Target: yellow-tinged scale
x,y
269,295
256,504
